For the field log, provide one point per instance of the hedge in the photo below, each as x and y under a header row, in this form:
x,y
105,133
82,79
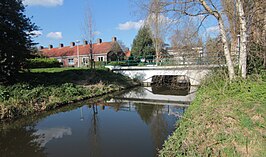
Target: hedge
x,y
42,63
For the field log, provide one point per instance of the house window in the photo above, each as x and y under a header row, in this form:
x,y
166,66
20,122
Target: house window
x,y
71,61
85,60
101,58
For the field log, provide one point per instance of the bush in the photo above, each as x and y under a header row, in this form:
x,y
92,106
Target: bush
x,y
100,64
42,63
117,63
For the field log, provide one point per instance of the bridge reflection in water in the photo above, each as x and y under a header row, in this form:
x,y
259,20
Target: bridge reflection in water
x,y
156,95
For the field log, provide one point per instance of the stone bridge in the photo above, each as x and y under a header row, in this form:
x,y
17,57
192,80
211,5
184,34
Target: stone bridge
x,y
195,73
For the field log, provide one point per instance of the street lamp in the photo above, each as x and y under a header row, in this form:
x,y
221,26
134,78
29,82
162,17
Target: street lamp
x,y
77,41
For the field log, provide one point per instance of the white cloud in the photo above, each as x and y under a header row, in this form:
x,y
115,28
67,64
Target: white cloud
x,y
46,3
46,135
55,35
130,25
213,29
35,33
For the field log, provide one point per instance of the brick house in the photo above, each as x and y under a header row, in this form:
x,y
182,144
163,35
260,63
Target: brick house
x,y
101,52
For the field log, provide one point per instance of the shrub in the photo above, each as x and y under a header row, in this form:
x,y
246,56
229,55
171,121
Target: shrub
x,y
117,63
100,64
42,63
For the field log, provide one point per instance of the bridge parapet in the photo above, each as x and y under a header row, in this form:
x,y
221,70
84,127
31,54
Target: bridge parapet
x,y
196,73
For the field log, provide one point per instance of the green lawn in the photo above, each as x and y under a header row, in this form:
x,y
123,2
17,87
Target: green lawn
x,y
45,89
52,70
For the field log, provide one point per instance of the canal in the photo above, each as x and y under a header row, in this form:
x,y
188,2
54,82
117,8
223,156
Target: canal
x,y
133,123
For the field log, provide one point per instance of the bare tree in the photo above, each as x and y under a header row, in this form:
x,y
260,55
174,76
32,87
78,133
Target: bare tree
x,y
122,45
202,8
214,12
89,32
186,35
241,15
155,23
229,8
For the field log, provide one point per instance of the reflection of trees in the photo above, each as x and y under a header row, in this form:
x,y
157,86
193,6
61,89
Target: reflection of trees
x,y
159,129
20,141
94,138
146,111
153,116
163,90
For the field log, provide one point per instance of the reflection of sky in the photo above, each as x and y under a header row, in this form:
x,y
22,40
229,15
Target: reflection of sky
x,y
46,135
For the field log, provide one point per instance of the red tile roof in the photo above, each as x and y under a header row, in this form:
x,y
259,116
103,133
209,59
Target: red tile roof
x,y
104,47
128,53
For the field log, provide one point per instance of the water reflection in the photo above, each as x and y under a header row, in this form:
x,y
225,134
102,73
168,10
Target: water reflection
x,y
134,123
20,142
46,135
168,91
94,137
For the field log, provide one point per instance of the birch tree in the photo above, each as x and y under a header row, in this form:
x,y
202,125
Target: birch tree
x,y
214,12
243,39
202,8
240,17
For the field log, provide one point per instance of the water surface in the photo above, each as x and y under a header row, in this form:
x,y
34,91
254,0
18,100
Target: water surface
x,y
131,124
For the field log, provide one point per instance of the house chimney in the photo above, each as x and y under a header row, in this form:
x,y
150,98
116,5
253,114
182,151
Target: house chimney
x,y
41,47
72,44
113,39
50,47
61,45
85,42
99,41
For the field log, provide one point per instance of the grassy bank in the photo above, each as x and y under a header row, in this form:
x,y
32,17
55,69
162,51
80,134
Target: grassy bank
x,y
46,89
224,120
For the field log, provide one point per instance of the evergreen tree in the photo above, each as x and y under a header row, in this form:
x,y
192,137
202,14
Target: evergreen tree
x,y
15,38
143,44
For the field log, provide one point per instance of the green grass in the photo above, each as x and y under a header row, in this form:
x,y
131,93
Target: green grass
x,y
226,119
46,89
53,70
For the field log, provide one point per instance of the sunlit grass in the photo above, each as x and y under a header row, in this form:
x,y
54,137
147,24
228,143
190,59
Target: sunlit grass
x,y
226,119
49,88
53,70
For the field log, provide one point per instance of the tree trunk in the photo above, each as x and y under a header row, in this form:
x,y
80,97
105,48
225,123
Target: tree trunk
x,y
264,38
230,66
243,39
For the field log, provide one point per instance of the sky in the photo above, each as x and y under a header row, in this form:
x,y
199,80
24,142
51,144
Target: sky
x,y
62,21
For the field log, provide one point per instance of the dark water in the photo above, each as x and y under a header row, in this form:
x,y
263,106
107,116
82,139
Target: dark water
x,y
108,127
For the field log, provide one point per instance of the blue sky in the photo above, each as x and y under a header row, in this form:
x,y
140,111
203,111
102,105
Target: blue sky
x,y
62,21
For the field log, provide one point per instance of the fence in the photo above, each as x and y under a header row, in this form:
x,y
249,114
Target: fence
x,y
169,60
